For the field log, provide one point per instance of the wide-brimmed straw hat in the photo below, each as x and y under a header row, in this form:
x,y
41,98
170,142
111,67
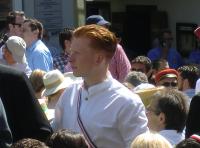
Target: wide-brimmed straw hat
x,y
54,81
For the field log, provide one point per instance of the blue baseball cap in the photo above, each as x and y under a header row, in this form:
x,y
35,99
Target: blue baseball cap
x,y
97,19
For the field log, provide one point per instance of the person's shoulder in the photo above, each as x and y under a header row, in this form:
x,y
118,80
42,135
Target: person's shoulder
x,y
174,50
6,70
195,52
74,86
124,94
40,46
196,98
153,50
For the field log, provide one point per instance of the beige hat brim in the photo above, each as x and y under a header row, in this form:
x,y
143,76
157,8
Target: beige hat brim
x,y
64,84
168,76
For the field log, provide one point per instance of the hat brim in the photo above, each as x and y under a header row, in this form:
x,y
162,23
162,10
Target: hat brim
x,y
64,84
146,94
104,22
168,76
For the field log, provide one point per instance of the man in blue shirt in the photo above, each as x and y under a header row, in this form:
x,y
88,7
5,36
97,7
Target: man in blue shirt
x,y
37,54
165,51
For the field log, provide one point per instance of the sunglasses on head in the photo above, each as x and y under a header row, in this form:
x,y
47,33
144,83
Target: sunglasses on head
x,y
168,84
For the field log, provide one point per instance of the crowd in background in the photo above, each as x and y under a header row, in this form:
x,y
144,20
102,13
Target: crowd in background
x,y
91,94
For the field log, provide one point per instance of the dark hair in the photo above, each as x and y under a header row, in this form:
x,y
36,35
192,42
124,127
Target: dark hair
x,y
188,143
161,34
29,143
35,25
189,72
11,18
173,104
156,64
65,138
66,34
143,60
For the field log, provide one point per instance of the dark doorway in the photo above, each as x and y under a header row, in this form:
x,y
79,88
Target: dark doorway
x,y
139,29
101,8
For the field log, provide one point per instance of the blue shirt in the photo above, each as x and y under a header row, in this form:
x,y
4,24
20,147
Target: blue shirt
x,y
194,57
39,57
174,58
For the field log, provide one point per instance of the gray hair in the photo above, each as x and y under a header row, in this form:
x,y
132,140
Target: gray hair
x,y
136,78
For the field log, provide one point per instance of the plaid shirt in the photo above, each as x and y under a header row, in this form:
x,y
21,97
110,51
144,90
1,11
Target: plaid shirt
x,y
61,61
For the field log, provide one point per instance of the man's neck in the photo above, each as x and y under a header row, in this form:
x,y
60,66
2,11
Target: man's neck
x,y
88,82
31,42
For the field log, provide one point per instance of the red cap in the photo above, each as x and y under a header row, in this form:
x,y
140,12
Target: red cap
x,y
166,73
197,32
196,137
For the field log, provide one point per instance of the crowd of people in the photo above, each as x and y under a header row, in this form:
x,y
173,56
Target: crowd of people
x,y
91,95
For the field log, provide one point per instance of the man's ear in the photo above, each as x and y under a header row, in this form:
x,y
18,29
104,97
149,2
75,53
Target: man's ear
x,y
99,58
36,32
67,43
162,118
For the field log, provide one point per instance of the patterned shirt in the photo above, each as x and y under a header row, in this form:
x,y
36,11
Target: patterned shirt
x,y
61,61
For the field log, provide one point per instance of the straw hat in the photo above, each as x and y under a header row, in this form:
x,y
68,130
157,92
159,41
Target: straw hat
x,y
54,81
146,94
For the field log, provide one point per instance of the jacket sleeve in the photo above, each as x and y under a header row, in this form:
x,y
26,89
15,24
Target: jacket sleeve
x,y
24,113
5,133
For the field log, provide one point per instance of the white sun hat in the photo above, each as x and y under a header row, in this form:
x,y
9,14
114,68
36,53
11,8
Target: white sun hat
x,y
54,81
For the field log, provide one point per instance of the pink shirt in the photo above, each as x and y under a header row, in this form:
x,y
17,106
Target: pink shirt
x,y
120,64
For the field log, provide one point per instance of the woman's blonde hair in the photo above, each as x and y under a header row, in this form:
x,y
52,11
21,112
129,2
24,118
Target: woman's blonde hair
x,y
150,140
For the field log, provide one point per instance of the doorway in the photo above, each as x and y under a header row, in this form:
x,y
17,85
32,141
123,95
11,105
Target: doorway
x,y
140,28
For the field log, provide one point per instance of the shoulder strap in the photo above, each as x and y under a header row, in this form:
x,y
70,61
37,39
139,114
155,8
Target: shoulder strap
x,y
80,123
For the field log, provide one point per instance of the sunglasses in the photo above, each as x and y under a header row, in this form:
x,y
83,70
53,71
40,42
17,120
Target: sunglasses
x,y
168,84
16,24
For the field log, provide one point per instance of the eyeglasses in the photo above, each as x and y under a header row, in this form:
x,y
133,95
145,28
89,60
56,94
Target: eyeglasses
x,y
168,84
19,25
